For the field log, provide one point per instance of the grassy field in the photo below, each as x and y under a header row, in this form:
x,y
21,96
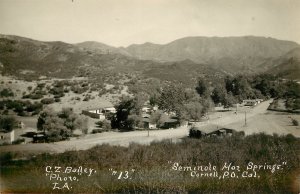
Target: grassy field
x,y
151,167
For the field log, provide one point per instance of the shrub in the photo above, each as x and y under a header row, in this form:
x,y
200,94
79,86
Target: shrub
x,y
35,96
41,85
5,158
94,131
19,141
8,123
57,99
6,93
47,101
105,124
87,97
35,107
59,126
295,122
153,172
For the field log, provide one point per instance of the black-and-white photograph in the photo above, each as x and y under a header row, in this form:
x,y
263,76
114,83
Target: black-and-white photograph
x,y
150,96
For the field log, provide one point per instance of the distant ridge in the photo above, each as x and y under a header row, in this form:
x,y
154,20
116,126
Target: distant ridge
x,y
225,52
231,55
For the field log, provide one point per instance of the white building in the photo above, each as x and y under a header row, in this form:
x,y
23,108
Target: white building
x,y
7,137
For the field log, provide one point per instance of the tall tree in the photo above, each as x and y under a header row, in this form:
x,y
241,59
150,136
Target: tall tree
x,y
172,98
218,94
203,88
129,112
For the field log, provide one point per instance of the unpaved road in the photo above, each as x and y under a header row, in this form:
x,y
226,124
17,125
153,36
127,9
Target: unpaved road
x,y
258,120
112,138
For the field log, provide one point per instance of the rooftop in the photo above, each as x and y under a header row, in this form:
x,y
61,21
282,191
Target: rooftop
x,y
207,128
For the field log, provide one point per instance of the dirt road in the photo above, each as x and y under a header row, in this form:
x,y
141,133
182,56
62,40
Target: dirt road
x,y
112,138
258,120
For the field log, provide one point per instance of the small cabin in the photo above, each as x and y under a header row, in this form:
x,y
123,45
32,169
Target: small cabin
x,y
148,124
250,102
7,137
99,113
210,130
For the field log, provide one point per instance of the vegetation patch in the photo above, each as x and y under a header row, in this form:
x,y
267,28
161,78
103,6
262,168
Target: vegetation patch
x,y
154,167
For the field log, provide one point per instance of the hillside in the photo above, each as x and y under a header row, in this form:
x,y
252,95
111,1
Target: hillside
x,y
25,57
185,71
31,59
183,59
230,54
288,66
101,48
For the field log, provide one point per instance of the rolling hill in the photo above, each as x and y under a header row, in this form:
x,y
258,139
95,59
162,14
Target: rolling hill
x,y
25,57
182,59
101,48
31,59
288,66
232,54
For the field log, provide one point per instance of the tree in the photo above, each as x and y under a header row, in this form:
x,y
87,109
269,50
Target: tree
x,y
229,100
158,118
105,124
154,100
73,121
172,98
194,111
60,126
128,113
239,86
264,86
207,104
48,112
203,88
8,123
293,90
55,129
218,94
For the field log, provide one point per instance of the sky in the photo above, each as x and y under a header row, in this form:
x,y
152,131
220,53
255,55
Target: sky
x,y
125,22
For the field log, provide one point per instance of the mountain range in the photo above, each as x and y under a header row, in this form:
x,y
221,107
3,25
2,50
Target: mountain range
x,y
227,55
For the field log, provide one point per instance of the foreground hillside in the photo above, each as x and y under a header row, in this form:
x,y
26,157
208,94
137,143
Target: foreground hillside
x,y
229,165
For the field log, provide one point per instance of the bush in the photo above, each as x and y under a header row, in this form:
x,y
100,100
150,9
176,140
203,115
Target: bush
x,y
19,141
47,101
36,107
57,100
35,96
94,131
295,122
5,158
59,126
87,97
153,173
8,123
6,93
105,124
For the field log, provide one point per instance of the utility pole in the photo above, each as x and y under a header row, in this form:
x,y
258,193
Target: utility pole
x,y
245,118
